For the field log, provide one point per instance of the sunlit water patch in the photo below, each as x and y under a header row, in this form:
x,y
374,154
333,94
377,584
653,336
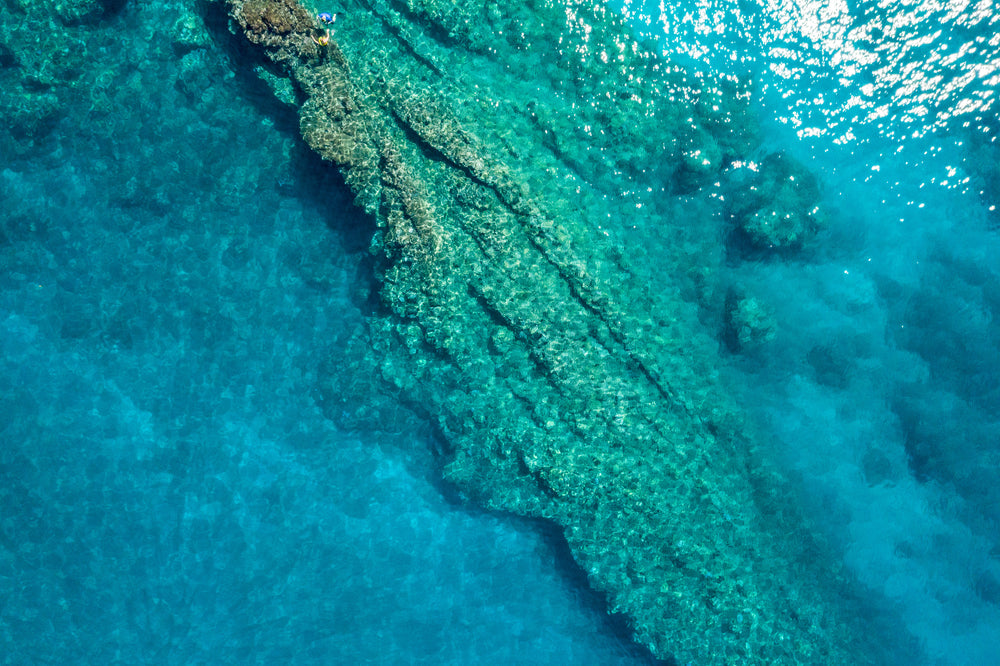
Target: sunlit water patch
x,y
880,384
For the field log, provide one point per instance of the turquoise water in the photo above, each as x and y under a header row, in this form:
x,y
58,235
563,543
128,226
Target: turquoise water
x,y
177,271
882,386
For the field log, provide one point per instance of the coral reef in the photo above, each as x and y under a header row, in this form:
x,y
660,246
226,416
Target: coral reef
x,y
86,11
46,60
776,205
68,12
749,323
490,145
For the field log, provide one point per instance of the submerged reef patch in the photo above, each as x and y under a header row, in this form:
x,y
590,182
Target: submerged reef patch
x,y
775,203
50,60
495,144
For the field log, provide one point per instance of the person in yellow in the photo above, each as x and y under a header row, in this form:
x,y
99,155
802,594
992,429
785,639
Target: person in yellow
x,y
323,39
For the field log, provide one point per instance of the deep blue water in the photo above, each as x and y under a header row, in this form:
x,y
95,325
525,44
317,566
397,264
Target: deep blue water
x,y
171,491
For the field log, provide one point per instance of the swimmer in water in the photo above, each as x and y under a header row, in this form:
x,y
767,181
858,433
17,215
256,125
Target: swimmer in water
x,y
328,17
323,38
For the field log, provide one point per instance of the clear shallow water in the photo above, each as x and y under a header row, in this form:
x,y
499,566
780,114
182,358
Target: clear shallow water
x,y
172,491
880,390
175,269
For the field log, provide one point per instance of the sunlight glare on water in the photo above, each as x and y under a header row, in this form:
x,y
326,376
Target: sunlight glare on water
x,y
893,106
839,66
909,81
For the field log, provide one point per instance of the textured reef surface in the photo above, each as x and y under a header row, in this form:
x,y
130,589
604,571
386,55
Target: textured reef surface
x,y
500,149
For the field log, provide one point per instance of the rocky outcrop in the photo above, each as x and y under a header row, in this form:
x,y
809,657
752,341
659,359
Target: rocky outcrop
x,y
495,150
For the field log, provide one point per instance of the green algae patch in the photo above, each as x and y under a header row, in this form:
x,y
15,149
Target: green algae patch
x,y
500,149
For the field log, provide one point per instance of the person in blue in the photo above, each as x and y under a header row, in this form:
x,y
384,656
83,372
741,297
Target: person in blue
x,y
328,17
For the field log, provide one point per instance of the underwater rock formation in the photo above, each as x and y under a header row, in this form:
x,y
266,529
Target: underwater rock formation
x,y
777,206
749,323
493,144
46,53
